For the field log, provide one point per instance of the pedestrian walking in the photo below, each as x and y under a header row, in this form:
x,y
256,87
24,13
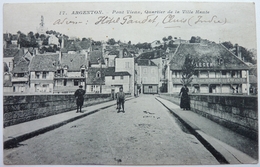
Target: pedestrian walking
x,y
120,100
185,100
79,95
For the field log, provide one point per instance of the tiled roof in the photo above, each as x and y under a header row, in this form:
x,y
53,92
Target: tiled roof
x,y
7,83
151,55
10,52
84,44
73,46
44,62
92,76
21,66
73,61
70,45
145,62
209,53
94,56
110,71
114,52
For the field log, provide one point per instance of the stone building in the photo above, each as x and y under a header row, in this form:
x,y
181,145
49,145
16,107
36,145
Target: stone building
x,y
217,69
147,76
70,73
42,72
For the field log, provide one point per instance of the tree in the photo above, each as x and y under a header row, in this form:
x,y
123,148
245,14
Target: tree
x,y
46,41
111,41
42,36
169,38
228,45
195,39
84,39
129,42
37,35
188,70
164,39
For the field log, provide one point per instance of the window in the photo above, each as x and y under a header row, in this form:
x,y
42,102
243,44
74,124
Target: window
x,y
20,75
65,82
150,87
121,77
44,74
82,72
113,77
127,64
98,74
233,73
76,82
224,72
37,75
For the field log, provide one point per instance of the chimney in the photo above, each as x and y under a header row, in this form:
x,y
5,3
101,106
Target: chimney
x,y
62,42
60,54
238,52
121,53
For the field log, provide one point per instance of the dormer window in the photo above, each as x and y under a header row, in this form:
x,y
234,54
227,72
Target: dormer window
x,y
98,74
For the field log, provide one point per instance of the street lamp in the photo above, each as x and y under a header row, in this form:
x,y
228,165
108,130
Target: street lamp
x,y
100,76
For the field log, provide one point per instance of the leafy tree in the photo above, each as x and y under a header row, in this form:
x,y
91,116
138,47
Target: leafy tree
x,y
228,45
164,39
42,36
188,69
195,39
169,38
129,42
111,41
84,39
46,41
37,35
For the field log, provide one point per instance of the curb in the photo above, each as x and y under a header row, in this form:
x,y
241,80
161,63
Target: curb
x,y
14,142
221,159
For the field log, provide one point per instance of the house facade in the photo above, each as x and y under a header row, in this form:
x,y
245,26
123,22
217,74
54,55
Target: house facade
x,y
217,70
114,80
147,76
70,73
42,72
95,80
127,65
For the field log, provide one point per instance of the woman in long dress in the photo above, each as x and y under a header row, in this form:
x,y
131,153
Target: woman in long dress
x,y
185,100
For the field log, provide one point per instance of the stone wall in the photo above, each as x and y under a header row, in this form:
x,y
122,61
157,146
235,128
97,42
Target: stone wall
x,y
236,112
23,108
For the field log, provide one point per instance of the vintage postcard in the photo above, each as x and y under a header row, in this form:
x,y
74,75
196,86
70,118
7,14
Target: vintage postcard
x,y
130,83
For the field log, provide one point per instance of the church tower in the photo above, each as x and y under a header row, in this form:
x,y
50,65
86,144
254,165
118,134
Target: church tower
x,y
41,29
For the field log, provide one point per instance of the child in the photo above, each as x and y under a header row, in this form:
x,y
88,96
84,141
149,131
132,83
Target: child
x,y
120,100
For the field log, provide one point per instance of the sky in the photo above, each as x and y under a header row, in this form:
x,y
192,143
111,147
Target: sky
x,y
232,21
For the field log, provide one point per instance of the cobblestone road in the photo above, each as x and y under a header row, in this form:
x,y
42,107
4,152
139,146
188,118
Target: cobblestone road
x,y
146,134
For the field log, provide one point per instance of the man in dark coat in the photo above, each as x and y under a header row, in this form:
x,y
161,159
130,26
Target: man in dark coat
x,y
79,94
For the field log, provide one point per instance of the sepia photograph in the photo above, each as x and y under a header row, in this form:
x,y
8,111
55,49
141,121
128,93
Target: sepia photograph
x,y
130,83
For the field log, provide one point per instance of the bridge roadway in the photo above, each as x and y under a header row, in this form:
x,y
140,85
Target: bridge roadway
x,y
146,134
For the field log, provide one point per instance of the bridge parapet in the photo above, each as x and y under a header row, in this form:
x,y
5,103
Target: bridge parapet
x,y
23,108
236,112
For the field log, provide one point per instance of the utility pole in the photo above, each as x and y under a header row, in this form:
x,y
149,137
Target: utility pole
x,y
100,77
